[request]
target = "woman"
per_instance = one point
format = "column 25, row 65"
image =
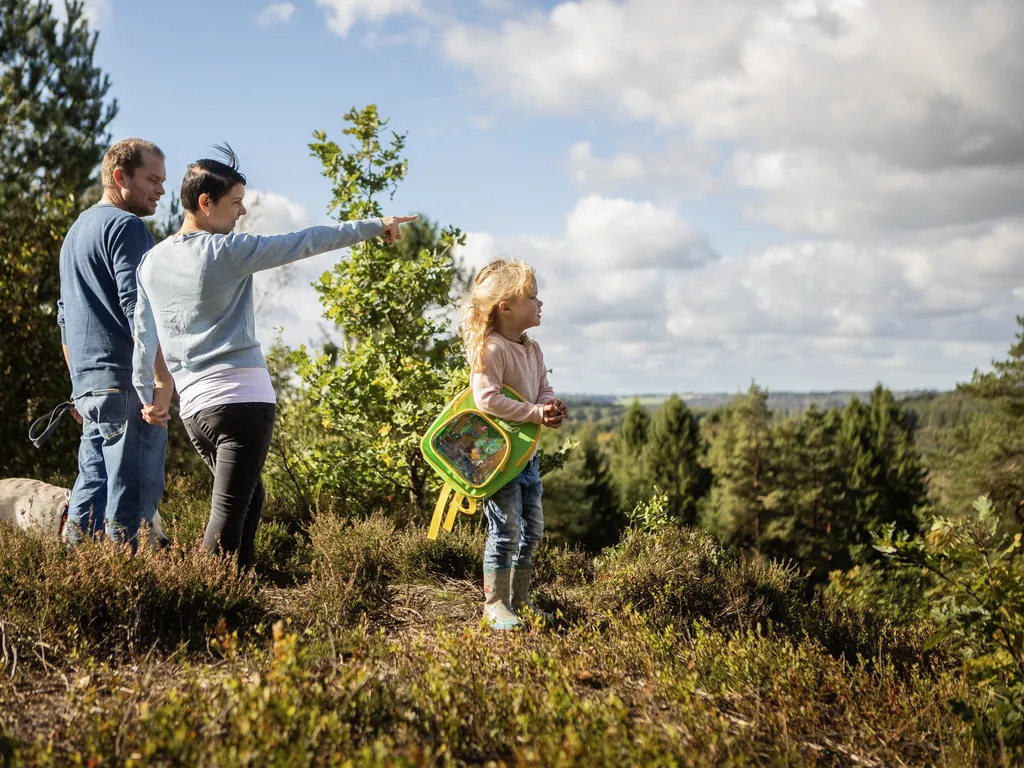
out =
column 195, row 301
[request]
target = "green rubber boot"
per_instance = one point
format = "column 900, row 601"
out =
column 521, row 578
column 496, row 596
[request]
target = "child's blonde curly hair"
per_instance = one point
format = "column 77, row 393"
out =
column 501, row 280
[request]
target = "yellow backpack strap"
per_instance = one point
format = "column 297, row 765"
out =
column 442, row 502
column 453, row 512
column 470, row 508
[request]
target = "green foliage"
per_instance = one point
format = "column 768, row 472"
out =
column 632, row 478
column 674, row 652
column 814, row 488
column 869, row 635
column 986, row 456
column 806, row 504
column 652, row 515
column 554, row 460
column 740, row 462
column 884, row 479
column 53, row 122
column 672, row 456
column 581, row 506
column 171, row 222
column 977, row 598
column 378, row 393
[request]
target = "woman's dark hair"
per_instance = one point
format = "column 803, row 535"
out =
column 210, row 177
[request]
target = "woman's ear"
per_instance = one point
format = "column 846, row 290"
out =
column 504, row 307
column 205, row 203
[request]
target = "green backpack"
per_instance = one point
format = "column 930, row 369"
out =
column 475, row 454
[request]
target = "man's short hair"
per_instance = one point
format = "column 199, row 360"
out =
column 128, row 155
column 210, row 177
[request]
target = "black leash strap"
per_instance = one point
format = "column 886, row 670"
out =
column 39, row 438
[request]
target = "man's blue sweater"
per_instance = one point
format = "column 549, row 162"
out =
column 96, row 310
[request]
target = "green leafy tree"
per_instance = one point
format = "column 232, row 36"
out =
column 378, row 392
column 740, row 459
column 977, row 599
column 54, row 115
column 672, row 458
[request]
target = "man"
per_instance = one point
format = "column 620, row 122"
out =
column 121, row 457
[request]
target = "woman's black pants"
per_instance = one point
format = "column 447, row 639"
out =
column 234, row 441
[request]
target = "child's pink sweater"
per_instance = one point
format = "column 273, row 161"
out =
column 519, row 366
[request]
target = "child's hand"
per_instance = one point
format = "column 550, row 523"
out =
column 552, row 416
column 563, row 407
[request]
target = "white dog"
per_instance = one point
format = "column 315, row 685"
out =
column 33, row 505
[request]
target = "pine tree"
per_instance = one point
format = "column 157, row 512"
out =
column 636, row 424
column 987, row 455
column 739, row 457
column 806, row 506
column 884, row 478
column 629, row 469
column 53, row 132
column 604, row 521
column 581, row 506
column 672, row 457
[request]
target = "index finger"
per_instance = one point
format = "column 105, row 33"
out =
column 404, row 219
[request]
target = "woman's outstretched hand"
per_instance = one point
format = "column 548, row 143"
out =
column 391, row 227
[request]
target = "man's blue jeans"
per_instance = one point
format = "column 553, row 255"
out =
column 120, row 468
column 515, row 520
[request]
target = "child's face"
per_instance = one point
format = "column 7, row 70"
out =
column 524, row 311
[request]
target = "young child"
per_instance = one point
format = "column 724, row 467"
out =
column 500, row 307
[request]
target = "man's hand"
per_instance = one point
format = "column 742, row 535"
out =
column 155, row 415
column 392, row 232
column 552, row 416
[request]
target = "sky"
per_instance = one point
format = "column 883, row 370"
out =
column 809, row 194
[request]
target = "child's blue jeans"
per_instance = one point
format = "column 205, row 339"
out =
column 515, row 520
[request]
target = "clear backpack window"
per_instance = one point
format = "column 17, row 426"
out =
column 473, row 446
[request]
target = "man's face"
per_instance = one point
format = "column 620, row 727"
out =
column 144, row 188
column 223, row 214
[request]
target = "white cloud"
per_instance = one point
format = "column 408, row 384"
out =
column 276, row 13
column 268, row 213
column 823, row 314
column 847, row 116
column 343, row 14
column 613, row 233
column 775, row 69
column 681, row 164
